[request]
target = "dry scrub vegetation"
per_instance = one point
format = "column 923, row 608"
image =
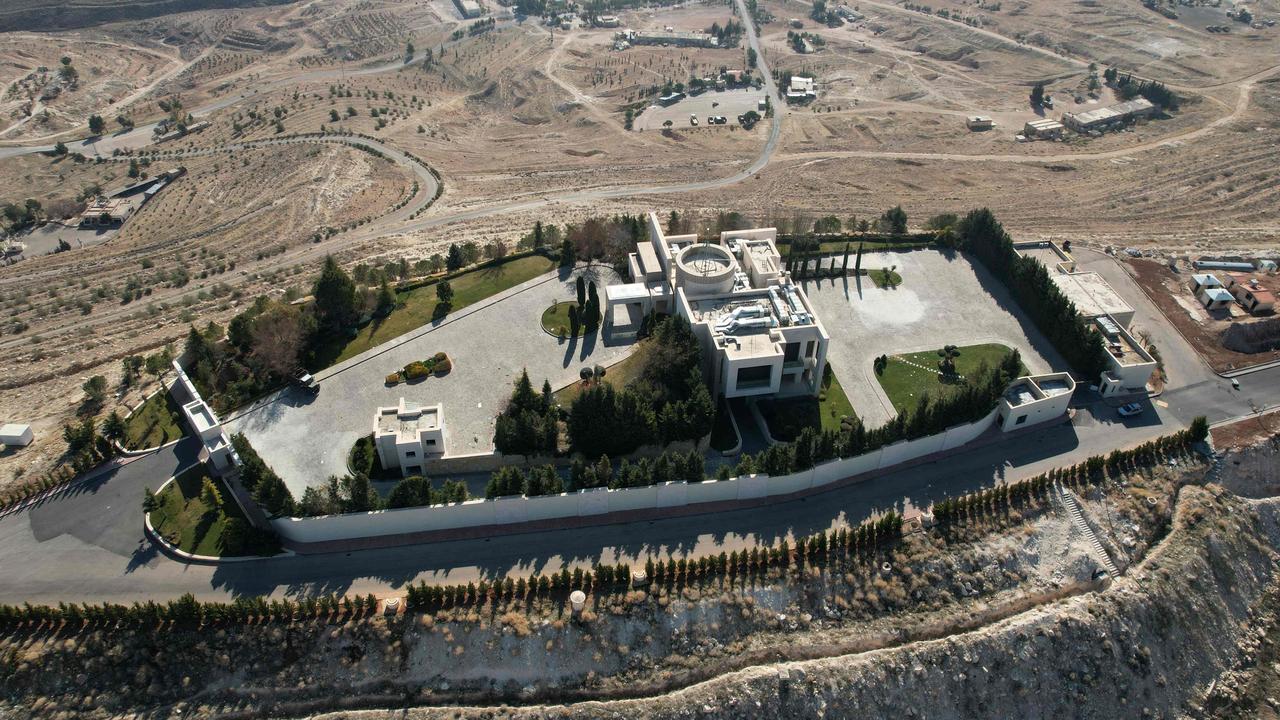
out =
column 630, row 642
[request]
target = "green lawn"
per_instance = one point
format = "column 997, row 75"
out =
column 155, row 422
column 555, row 319
column 786, row 418
column 184, row 519
column 905, row 383
column 417, row 307
column 619, row 375
column 884, row 277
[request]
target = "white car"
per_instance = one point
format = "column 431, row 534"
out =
column 693, row 119
column 1129, row 410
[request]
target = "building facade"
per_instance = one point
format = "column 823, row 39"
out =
column 407, row 437
column 759, row 333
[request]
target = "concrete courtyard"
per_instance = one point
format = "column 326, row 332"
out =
column 944, row 299
column 307, row 439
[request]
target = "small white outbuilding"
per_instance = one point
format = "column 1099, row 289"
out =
column 15, row 435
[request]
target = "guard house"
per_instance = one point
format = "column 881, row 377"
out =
column 1035, row 399
column 405, row 437
column 760, row 335
column 979, row 122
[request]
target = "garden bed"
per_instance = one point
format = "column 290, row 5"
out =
column 155, row 422
column 419, row 370
column 556, row 322
column 189, row 519
column 363, row 460
column 787, row 417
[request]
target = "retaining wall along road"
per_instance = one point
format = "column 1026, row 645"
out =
column 607, row 505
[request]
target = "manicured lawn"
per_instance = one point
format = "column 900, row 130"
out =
column 883, row 277
column 905, row 383
column 417, row 307
column 786, row 418
column 186, row 521
column 155, row 422
column 619, row 375
column 555, row 319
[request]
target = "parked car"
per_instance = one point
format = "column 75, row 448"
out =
column 306, row 383
column 693, row 119
column 1129, row 410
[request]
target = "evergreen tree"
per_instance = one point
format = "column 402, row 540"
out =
column 335, row 298
column 568, row 254
column 386, row 300
column 455, row 259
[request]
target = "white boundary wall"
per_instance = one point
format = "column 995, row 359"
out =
column 600, row 501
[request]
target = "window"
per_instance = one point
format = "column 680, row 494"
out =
column 431, row 443
column 791, row 352
column 809, row 347
column 1021, row 419
column 411, row 453
column 756, row 376
column 413, row 470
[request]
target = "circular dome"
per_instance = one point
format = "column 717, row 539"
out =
column 703, row 269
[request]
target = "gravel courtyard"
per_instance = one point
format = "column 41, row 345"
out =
column 944, row 299
column 307, row 439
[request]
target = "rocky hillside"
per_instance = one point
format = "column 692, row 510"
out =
column 65, row 14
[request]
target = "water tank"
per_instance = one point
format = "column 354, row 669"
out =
column 705, row 269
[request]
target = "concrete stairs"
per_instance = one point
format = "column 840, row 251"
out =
column 1072, row 507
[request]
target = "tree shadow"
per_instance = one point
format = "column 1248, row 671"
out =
column 569, row 349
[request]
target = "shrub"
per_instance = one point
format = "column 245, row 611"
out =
column 443, row 366
column 439, row 357
column 393, row 378
column 416, row 370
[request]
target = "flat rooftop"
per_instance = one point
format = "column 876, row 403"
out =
column 1047, row 253
column 1091, row 293
column 1120, row 343
column 201, row 416
column 753, row 305
column 407, row 423
column 1021, row 393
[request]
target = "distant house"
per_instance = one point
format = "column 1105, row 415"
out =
column 1044, row 129
column 979, row 122
column 1204, row 281
column 104, row 211
column 1215, row 298
column 677, row 38
column 801, row 89
column 1109, row 117
column 609, row 21
column 1250, row 293
column 469, row 8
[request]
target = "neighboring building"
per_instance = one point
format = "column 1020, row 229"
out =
column 760, row 334
column 1215, row 298
column 1250, row 293
column 849, row 14
column 105, row 212
column 678, row 38
column 1109, row 117
column 1093, row 295
column 609, row 21
column 979, row 122
column 1034, row 399
column 801, row 89
column 1044, row 129
column 1130, row 365
column 469, row 8
column 405, row 437
column 1204, row 281
column 16, row 435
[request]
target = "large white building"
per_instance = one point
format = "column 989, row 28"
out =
column 760, row 334
column 405, row 437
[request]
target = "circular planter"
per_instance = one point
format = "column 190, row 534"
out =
column 556, row 318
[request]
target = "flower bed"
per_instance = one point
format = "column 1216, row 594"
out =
column 438, row 364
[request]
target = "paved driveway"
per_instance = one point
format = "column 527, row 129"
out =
column 307, row 439
column 944, row 299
